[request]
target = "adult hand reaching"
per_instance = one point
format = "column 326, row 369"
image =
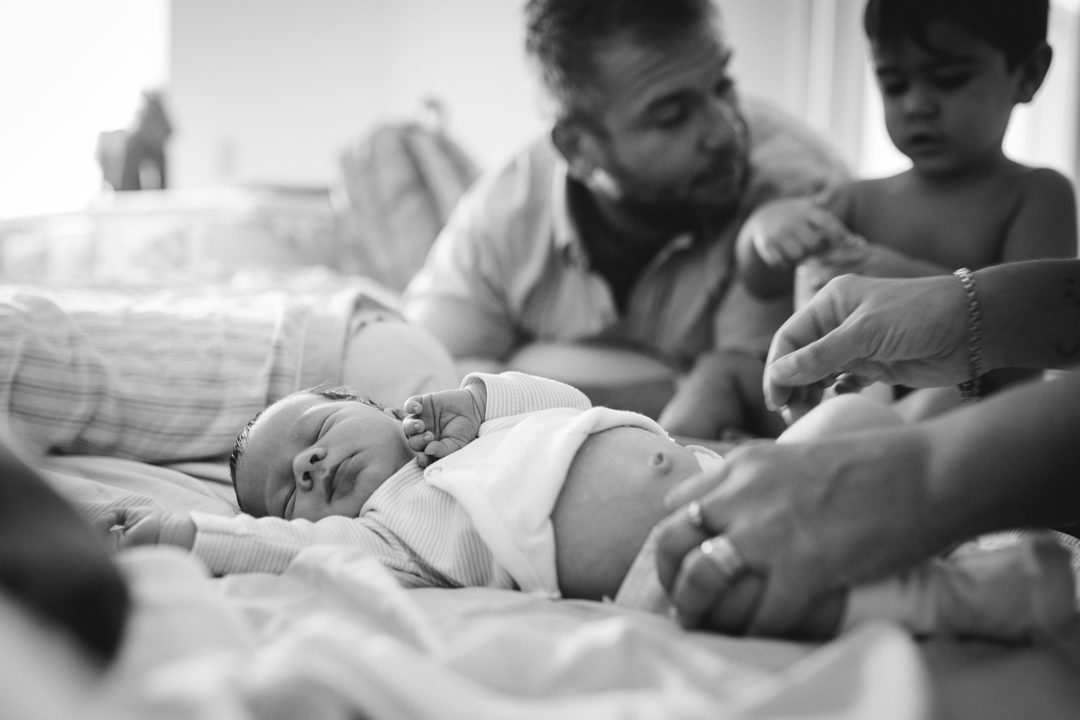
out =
column 904, row 331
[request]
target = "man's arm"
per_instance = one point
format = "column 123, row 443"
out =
column 456, row 295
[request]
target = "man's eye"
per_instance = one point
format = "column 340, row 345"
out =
column 670, row 116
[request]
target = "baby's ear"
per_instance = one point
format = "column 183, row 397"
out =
column 396, row 413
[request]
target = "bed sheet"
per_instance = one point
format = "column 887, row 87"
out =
column 336, row 636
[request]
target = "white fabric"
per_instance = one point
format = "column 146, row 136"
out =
column 508, row 483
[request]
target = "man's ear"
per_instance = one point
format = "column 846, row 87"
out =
column 1032, row 71
column 578, row 145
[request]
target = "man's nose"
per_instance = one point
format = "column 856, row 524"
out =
column 722, row 126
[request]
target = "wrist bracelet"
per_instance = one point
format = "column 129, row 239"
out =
column 969, row 390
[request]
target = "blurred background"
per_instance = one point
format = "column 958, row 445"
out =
column 270, row 92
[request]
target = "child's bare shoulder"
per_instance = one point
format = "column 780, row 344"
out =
column 1044, row 182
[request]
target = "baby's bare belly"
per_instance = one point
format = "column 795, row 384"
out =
column 613, row 496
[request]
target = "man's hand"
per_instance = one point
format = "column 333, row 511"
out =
column 905, row 331
column 441, row 423
column 130, row 527
column 807, row 519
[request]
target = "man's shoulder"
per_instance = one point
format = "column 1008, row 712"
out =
column 517, row 194
column 787, row 155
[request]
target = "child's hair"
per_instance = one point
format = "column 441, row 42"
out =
column 336, row 394
column 1016, row 27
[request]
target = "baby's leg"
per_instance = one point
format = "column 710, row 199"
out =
column 841, row 415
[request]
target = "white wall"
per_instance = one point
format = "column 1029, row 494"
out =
column 272, row 90
column 68, row 70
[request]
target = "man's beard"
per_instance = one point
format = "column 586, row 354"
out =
column 671, row 210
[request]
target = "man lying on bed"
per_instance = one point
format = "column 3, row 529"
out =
column 531, row 489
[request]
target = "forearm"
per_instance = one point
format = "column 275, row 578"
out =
column 513, row 393
column 1030, row 314
column 1011, row 461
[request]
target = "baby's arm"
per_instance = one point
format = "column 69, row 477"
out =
column 781, row 234
column 145, row 526
column 1045, row 222
column 443, row 422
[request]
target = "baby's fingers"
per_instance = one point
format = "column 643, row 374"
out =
column 414, row 405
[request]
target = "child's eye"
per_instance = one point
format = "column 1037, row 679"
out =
column 893, row 88
column 951, row 81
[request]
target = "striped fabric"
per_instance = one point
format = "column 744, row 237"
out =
column 417, row 530
column 156, row 378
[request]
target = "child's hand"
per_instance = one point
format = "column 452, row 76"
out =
column 130, row 527
column 785, row 232
column 441, row 423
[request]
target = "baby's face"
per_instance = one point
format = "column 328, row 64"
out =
column 310, row 457
column 946, row 107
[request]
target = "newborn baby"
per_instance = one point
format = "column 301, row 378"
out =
column 511, row 481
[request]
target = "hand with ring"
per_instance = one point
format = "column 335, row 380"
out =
column 769, row 544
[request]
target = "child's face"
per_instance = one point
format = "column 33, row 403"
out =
column 310, row 457
column 948, row 109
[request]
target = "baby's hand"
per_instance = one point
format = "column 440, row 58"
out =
column 785, row 232
column 441, row 423
column 130, row 527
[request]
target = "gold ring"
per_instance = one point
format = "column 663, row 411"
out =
column 697, row 517
column 722, row 553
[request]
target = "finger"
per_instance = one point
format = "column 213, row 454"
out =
column 692, row 488
column 437, row 449
column 698, row 587
column 419, row 443
column 733, row 612
column 676, row 537
column 782, row 608
column 414, row 405
column 830, row 229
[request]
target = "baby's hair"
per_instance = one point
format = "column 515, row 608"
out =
column 338, row 393
column 1016, row 27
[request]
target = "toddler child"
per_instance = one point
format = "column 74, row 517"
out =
column 511, row 481
column 950, row 73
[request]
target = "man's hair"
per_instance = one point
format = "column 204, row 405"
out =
column 563, row 37
column 336, row 394
column 1015, row 27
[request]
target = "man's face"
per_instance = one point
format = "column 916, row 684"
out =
column 672, row 134
column 946, row 108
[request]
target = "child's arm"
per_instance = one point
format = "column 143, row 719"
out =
column 146, row 526
column 781, row 234
column 443, row 422
column 1045, row 222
